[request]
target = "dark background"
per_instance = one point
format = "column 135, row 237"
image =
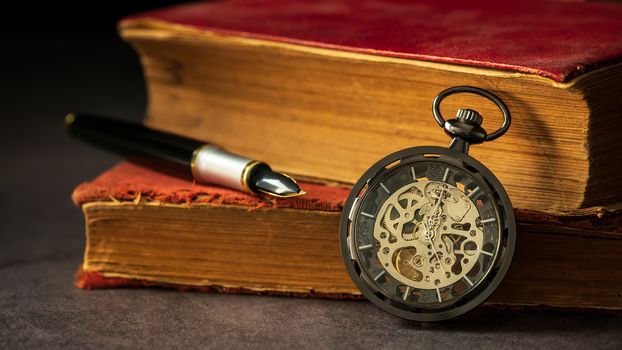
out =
column 56, row 58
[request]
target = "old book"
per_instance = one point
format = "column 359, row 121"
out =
column 326, row 88
column 146, row 228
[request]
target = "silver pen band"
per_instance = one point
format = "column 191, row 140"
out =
column 213, row 164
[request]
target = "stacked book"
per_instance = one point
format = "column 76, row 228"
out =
column 321, row 90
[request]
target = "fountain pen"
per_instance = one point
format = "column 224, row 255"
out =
column 207, row 163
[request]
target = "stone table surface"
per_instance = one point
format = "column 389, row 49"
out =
column 42, row 241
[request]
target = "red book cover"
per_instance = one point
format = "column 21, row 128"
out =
column 128, row 181
column 554, row 39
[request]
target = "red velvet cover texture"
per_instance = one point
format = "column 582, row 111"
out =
column 128, row 181
column 555, row 39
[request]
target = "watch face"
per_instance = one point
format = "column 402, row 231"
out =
column 428, row 233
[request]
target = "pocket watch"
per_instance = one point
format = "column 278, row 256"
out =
column 428, row 233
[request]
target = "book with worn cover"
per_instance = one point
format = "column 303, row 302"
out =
column 147, row 228
column 326, row 88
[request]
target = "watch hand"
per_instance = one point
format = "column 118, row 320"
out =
column 438, row 202
column 435, row 213
column 434, row 250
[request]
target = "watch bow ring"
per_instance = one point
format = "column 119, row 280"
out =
column 428, row 232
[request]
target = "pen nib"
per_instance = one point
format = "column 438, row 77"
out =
column 276, row 184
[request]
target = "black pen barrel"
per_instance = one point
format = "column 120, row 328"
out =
column 131, row 139
column 206, row 163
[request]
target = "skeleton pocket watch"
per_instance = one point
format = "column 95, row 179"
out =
column 428, row 233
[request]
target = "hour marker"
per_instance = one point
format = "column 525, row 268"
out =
column 438, row 294
column 468, row 281
column 487, row 253
column 384, row 187
column 412, row 172
column 368, row 215
column 445, row 176
column 380, row 275
column 488, row 220
column 406, row 293
column 473, row 192
column 366, row 246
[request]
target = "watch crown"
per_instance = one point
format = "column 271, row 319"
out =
column 469, row 116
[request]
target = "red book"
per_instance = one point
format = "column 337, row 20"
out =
column 355, row 80
column 555, row 39
column 149, row 229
